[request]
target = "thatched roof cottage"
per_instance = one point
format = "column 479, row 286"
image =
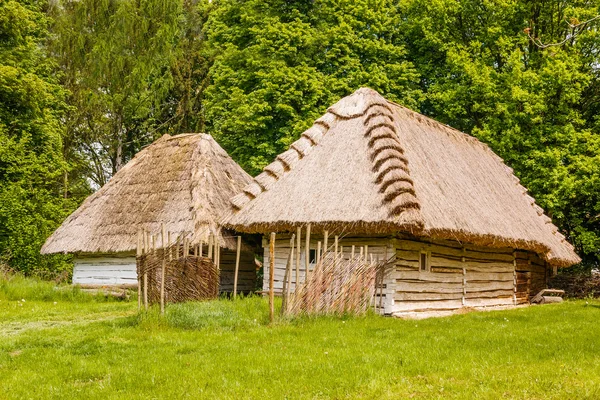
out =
column 184, row 182
column 460, row 226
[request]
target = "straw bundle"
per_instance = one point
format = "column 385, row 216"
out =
column 183, row 181
column 370, row 166
column 336, row 286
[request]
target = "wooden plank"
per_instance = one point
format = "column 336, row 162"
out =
column 490, row 294
column 427, row 276
column 424, row 286
column 272, row 278
column 430, row 305
column 427, row 296
column 237, row 265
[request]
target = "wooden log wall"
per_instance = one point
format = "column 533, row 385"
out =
column 246, row 274
column 533, row 274
column 462, row 276
column 381, row 247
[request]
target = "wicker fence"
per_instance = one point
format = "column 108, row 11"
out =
column 177, row 272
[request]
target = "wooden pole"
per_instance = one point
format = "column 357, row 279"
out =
column 287, row 276
column 272, row 277
column 325, row 239
column 146, row 274
column 218, row 254
column 352, row 254
column 169, row 241
column 307, row 252
column 237, row 265
column 210, row 246
column 162, row 269
column 380, row 285
column 139, row 252
column 298, row 242
column 289, row 280
column 335, row 246
column 201, row 245
column 318, row 252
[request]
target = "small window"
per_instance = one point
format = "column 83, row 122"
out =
column 312, row 256
column 424, row 261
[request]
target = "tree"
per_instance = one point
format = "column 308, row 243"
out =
column 32, row 105
column 278, row 65
column 536, row 107
column 116, row 58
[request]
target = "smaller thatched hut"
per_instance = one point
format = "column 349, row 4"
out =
column 184, row 182
column 458, row 226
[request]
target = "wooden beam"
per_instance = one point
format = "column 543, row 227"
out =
column 272, row 277
column 298, row 244
column 287, row 276
column 318, row 252
column 237, row 265
column 139, row 252
column 162, row 269
column 307, row 252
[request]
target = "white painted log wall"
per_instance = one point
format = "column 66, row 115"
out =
column 104, row 270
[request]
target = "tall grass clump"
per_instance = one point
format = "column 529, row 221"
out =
column 15, row 286
column 241, row 313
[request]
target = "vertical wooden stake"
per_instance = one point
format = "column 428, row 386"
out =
column 287, row 277
column 352, row 254
column 217, row 253
column 298, row 243
column 201, row 245
column 169, row 241
column 325, row 238
column 146, row 290
column 210, row 246
column 147, row 248
column 367, row 252
column 318, row 252
column 272, row 277
column 464, row 282
column 139, row 252
column 514, row 278
column 162, row 270
column 307, row 252
column 335, row 246
column 380, row 286
column 237, row 265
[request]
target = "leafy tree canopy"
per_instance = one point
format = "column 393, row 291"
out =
column 32, row 104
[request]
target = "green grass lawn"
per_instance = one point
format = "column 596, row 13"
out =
column 65, row 344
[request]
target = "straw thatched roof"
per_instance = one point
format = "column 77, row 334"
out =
column 183, row 181
column 372, row 166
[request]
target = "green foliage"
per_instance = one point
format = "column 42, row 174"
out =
column 32, row 104
column 535, row 107
column 279, row 65
column 116, row 57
